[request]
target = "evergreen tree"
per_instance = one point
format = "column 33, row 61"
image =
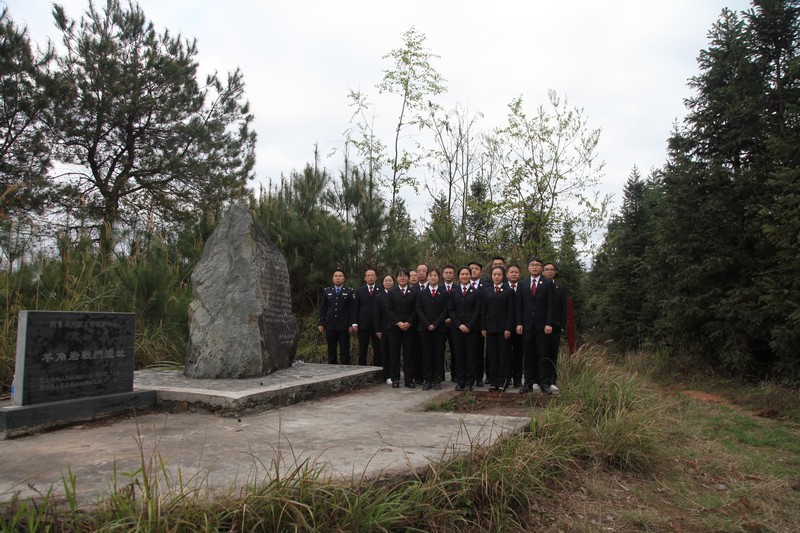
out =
column 139, row 131
column 25, row 99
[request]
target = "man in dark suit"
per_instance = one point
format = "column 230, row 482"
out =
column 365, row 297
column 475, row 272
column 448, row 282
column 401, row 312
column 336, row 318
column 535, row 323
column 560, row 293
column 513, row 275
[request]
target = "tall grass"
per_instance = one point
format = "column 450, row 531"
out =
column 153, row 284
column 603, row 419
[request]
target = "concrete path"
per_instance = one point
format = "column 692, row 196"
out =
column 371, row 432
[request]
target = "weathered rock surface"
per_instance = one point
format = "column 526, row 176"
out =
column 240, row 319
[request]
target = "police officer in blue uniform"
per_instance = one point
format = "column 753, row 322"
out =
column 336, row 318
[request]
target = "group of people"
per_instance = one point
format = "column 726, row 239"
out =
column 501, row 328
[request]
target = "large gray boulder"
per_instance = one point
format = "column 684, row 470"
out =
column 240, row 319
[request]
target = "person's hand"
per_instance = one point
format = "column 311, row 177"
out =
column 321, row 329
column 506, row 334
column 431, row 327
column 379, row 334
column 519, row 330
column 483, row 332
column 548, row 330
column 463, row 329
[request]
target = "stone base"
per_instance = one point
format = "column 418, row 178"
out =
column 19, row 420
column 238, row 397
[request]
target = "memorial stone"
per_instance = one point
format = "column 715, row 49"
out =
column 67, row 355
column 240, row 318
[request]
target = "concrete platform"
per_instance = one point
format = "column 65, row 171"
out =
column 365, row 433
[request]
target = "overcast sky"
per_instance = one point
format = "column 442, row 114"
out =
column 625, row 62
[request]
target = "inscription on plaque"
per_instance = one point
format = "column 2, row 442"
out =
column 62, row 355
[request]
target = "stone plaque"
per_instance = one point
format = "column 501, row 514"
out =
column 67, row 355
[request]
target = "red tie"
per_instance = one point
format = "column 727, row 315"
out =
column 496, row 289
column 448, row 290
column 533, row 287
column 433, row 293
column 464, row 293
column 514, row 287
column 370, row 291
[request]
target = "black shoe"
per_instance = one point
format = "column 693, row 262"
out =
column 479, row 383
column 410, row 385
column 395, row 385
column 526, row 389
column 470, row 387
column 437, row 386
column 459, row 387
column 426, row 386
column 517, row 383
column 494, row 389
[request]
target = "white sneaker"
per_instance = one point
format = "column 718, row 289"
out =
column 389, row 381
column 553, row 389
column 536, row 389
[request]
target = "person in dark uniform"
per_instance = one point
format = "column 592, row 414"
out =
column 401, row 311
column 498, row 322
column 535, row 323
column 560, row 293
column 448, row 283
column 365, row 314
column 336, row 318
column 475, row 272
column 381, row 323
column 515, row 370
column 464, row 308
column 416, row 353
column 431, row 314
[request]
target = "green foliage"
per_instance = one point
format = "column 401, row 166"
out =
column 24, row 106
column 147, row 138
column 704, row 259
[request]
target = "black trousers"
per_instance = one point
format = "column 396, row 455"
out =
column 480, row 357
column 515, row 368
column 497, row 359
column 450, row 334
column 365, row 336
column 386, row 355
column 340, row 340
column 432, row 344
column 534, row 345
column 466, row 346
column 400, row 340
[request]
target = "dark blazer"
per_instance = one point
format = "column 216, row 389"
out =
column 465, row 309
column 432, row 310
column 498, row 309
column 365, row 306
column 401, row 308
column 535, row 312
column 380, row 318
column 560, row 304
column 336, row 310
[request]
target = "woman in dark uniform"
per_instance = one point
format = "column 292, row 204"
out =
column 498, row 322
column 431, row 314
column 464, row 308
